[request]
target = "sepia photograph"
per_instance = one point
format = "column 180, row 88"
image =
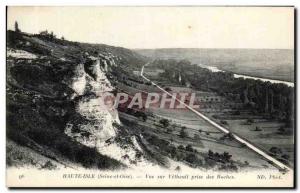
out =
column 150, row 96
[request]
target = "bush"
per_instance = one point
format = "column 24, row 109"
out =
column 169, row 130
column 223, row 122
column 215, row 116
column 249, row 121
column 181, row 147
column 257, row 128
column 183, row 133
column 236, row 113
column 189, row 148
column 48, row 165
column 281, row 130
column 196, row 137
column 179, row 156
column 164, row 122
column 172, row 150
column 275, row 150
column 285, row 156
column 193, row 159
column 210, row 153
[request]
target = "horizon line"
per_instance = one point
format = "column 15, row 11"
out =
column 31, row 33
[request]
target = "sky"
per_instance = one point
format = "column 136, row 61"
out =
column 163, row 27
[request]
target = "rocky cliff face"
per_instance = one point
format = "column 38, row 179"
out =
column 91, row 84
column 99, row 129
column 55, row 89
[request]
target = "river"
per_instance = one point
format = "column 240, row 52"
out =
column 215, row 69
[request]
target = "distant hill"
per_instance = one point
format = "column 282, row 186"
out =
column 268, row 63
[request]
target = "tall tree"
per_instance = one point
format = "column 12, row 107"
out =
column 267, row 102
column 271, row 101
column 245, row 93
column 17, row 27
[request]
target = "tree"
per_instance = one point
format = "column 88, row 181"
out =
column 164, row 122
column 172, row 140
column 271, row 101
column 189, row 148
column 193, row 159
column 237, row 113
column 245, row 94
column 17, row 27
column 250, row 121
column 281, row 130
column 183, row 133
column 232, row 167
column 210, row 154
column 223, row 122
column 169, row 130
column 196, row 136
column 226, row 156
column 257, row 128
column 267, row 102
column 144, row 117
column 285, row 156
column 168, row 89
column 44, row 33
column 51, row 35
column 275, row 150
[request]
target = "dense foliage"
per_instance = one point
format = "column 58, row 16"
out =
column 274, row 101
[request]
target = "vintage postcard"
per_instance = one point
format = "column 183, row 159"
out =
column 150, row 97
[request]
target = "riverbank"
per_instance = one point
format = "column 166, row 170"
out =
column 215, row 69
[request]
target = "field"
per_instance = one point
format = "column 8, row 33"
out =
column 200, row 135
column 209, row 136
column 264, row 133
column 266, row 137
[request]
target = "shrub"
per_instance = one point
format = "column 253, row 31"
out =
column 250, row 121
column 193, row 159
column 210, row 153
column 196, row 137
column 48, row 165
column 223, row 122
column 169, row 130
column 257, row 128
column 236, row 113
column 164, row 122
column 181, row 147
column 285, row 156
column 189, row 148
column 281, row 130
column 183, row 133
column 275, row 150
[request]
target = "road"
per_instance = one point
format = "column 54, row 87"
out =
column 225, row 130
